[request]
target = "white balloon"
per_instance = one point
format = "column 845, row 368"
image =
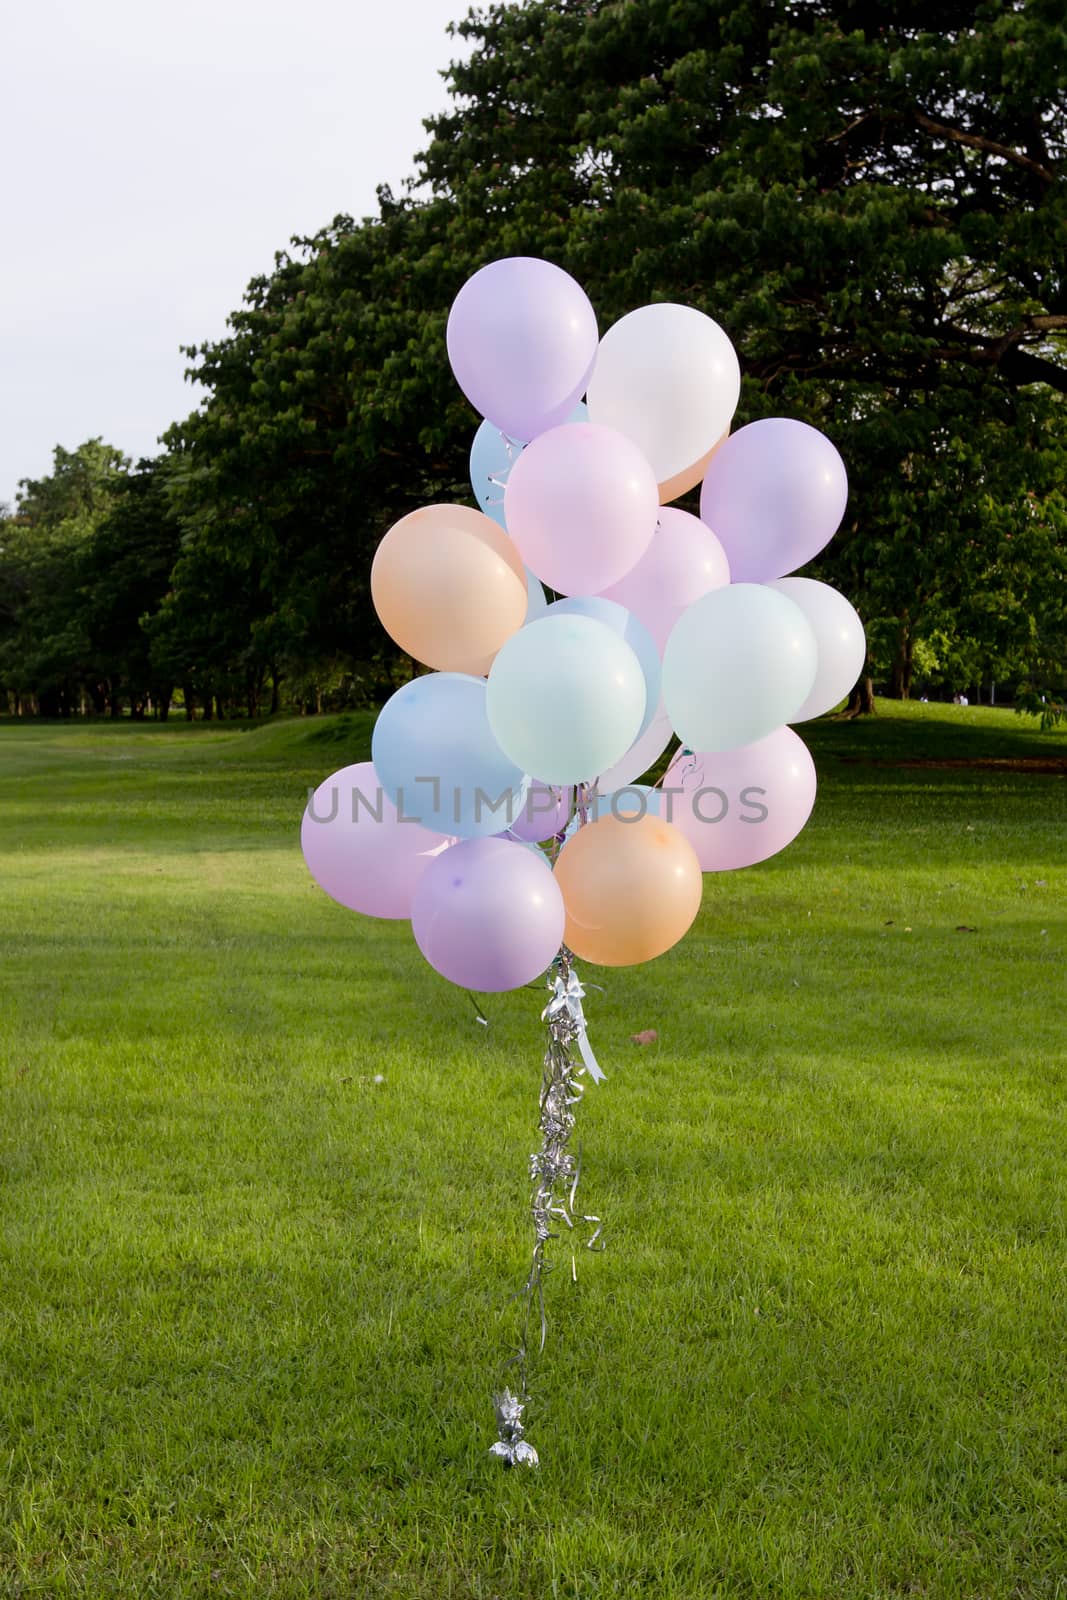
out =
column 642, row 754
column 667, row 376
column 839, row 636
column 738, row 664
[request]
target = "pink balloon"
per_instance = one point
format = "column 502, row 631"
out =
column 683, row 561
column 581, row 504
column 358, row 850
column 544, row 813
column 737, row 807
column 488, row 914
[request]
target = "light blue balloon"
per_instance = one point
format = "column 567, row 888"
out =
column 437, row 760
column 566, row 697
column 626, row 625
column 492, row 457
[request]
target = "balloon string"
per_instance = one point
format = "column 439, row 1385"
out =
column 554, row 1175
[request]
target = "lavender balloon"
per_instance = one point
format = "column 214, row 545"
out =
column 774, row 495
column 488, row 914
column 545, row 812
column 522, row 339
column 737, row 807
column 357, row 849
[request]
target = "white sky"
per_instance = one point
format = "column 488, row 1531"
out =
column 153, row 156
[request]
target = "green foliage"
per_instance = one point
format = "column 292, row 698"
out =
column 87, row 554
column 44, row 628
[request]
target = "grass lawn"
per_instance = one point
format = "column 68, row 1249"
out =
column 254, row 1303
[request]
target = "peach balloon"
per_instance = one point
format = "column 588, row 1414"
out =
column 689, row 477
column 449, row 587
column 631, row 889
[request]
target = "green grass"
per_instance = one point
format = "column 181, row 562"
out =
column 253, row 1304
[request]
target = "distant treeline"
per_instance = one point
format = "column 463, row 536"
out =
column 877, row 220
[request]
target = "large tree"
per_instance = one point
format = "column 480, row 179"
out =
column 872, row 203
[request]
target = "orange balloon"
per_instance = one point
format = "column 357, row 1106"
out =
column 689, row 477
column 450, row 587
column 631, row 889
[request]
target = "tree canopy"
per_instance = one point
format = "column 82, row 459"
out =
column 871, row 203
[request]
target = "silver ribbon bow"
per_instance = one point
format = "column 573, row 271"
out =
column 567, row 996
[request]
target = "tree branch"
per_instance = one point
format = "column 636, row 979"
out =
column 1018, row 366
column 975, row 141
column 866, row 116
column 1022, row 366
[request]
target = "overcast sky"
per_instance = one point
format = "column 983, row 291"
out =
column 155, row 154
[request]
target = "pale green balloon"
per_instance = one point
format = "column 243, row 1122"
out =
column 739, row 663
column 566, row 698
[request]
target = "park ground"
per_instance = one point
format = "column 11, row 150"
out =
column 263, row 1201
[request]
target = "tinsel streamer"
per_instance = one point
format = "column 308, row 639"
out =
column 554, row 1175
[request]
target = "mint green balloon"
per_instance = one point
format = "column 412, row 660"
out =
column 739, row 663
column 566, row 698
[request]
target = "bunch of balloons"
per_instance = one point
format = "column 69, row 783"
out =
column 500, row 811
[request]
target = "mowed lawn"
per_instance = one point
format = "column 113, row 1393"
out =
column 254, row 1302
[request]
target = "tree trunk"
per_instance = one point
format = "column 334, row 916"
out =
column 274, row 695
column 190, row 701
column 861, row 697
column 902, row 664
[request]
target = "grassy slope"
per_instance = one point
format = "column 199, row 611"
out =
column 254, row 1303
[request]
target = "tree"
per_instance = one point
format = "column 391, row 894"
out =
column 124, row 573
column 331, row 415
column 44, row 646
column 874, row 212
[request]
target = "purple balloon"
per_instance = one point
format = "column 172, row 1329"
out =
column 737, row 807
column 773, row 495
column 488, row 914
column 545, row 812
column 522, row 340
column 358, row 850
